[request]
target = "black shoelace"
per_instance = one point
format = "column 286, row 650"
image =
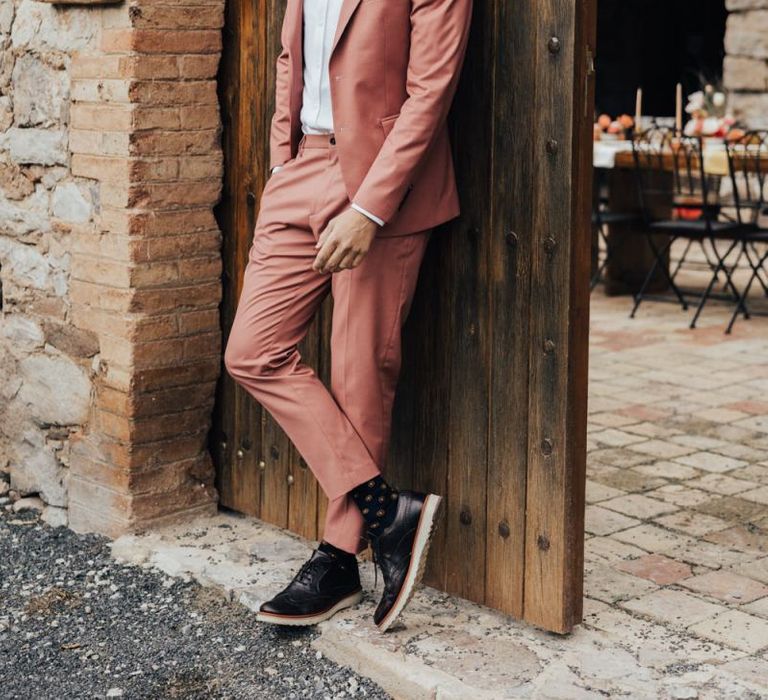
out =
column 304, row 573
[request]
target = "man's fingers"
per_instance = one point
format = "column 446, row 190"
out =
column 348, row 261
column 337, row 256
column 340, row 244
column 352, row 260
column 323, row 237
column 325, row 253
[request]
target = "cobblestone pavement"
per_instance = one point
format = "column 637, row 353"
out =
column 76, row 624
column 677, row 492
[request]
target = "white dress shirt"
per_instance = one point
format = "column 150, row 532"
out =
column 320, row 20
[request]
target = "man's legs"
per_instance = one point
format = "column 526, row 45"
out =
column 281, row 293
column 343, row 437
column 370, row 304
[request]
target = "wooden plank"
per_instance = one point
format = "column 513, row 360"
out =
column 224, row 420
column 558, row 326
column 324, row 319
column 274, row 484
column 509, row 280
column 467, row 252
column 440, row 422
column 578, row 325
column 254, row 115
column 545, row 536
column 578, row 322
column 418, row 455
column 279, row 452
column 237, row 426
column 246, row 473
column 398, row 469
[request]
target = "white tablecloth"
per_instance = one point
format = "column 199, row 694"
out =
column 604, row 155
column 604, row 152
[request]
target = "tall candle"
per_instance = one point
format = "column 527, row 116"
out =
column 679, row 109
column 638, row 108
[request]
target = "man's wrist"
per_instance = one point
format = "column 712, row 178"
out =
column 365, row 212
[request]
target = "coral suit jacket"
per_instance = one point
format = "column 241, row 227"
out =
column 393, row 70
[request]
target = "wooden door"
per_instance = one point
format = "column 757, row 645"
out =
column 491, row 408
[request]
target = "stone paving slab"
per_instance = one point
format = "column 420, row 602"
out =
column 657, row 568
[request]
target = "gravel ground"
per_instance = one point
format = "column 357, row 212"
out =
column 76, row 624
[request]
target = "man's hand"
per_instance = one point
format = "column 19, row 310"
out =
column 344, row 242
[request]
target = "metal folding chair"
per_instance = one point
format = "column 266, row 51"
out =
column 695, row 206
column 650, row 148
column 748, row 173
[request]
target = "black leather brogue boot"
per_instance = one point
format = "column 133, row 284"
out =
column 325, row 584
column 400, row 550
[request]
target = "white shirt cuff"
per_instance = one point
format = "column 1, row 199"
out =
column 364, row 212
column 275, row 169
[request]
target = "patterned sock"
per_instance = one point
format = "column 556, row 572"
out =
column 333, row 550
column 377, row 501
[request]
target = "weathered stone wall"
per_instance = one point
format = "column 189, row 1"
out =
column 110, row 347
column 746, row 62
column 47, row 365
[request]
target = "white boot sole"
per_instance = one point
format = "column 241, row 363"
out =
column 303, row 620
column 418, row 561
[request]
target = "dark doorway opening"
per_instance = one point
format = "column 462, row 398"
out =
column 654, row 44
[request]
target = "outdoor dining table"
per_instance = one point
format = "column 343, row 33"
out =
column 630, row 255
column 715, row 158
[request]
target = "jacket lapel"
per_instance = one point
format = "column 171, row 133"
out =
column 347, row 9
column 295, row 20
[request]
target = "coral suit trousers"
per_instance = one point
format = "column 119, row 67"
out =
column 341, row 433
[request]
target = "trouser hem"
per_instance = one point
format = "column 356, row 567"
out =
column 352, row 479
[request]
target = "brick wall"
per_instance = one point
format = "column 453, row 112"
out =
column 746, row 62
column 145, row 124
column 137, row 148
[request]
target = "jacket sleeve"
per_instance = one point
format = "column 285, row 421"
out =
column 439, row 35
column 280, row 126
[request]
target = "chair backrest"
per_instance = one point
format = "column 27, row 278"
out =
column 648, row 151
column 660, row 153
column 748, row 170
